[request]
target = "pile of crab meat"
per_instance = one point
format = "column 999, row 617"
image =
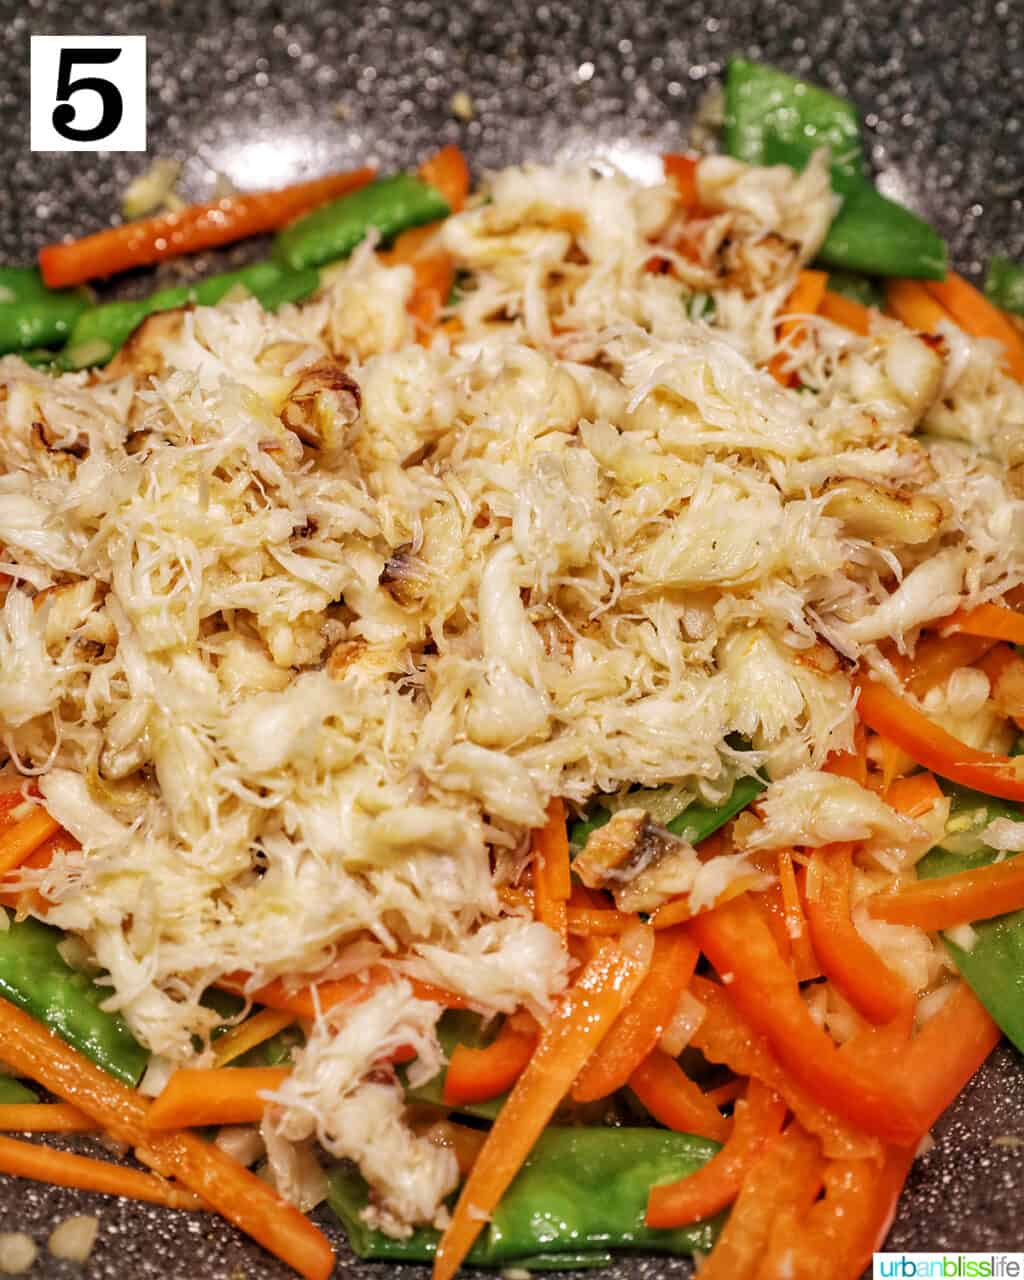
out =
column 309, row 615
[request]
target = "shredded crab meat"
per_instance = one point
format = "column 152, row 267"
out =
column 307, row 621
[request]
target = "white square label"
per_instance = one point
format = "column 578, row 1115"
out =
column 88, row 93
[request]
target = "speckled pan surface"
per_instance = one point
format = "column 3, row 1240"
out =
column 266, row 93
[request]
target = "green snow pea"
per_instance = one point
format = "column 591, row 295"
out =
column 1004, row 284
column 333, row 230
column 35, row 977
column 32, row 315
column 772, row 118
column 695, row 823
column 862, row 289
column 994, row 967
column 13, row 1091
column 101, row 331
column 582, row 1192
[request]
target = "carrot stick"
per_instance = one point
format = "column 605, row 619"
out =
column 302, row 1002
column 913, row 796
column 230, row 1095
column 757, row 1120
column 44, row 1117
column 804, row 300
column 855, row 968
column 23, row 838
column 218, row 1180
column 447, row 171
column 973, row 312
column 678, row 910
column 676, row 1101
column 638, row 1027
column 250, row 1033
column 910, row 302
column 681, row 171
column 895, row 718
column 786, row 1177
column 739, row 944
column 64, row 1169
column 552, row 883
column 961, row 898
column 579, row 1024
column 32, row 899
column 805, row 963
column 475, row 1075
column 990, row 621
column 846, row 312
column 190, row 230
column 601, row 921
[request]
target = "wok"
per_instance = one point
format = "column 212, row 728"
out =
column 269, row 93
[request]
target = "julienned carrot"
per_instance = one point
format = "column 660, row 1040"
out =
column 304, row 1001
column 250, row 1033
column 219, row 1181
column 846, row 312
column 64, row 1169
column 43, row 1117
column 25, row 837
column 676, row 1101
column 475, row 1075
column 602, row 921
column 724, row 1036
column 32, row 899
column 433, row 274
column 681, row 171
column 915, row 795
column 910, row 301
column 801, row 952
column 678, row 910
column 990, row 621
column 756, row 1121
column 579, row 1024
column 190, row 230
column 785, row 1179
column 739, row 944
column 973, row 312
column 804, row 300
column 447, row 171
column 552, row 884
column 639, row 1026
column 961, row 898
column 854, row 967
column 223, row 1095
column 895, row 718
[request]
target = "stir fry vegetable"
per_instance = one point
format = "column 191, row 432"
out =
column 31, row 315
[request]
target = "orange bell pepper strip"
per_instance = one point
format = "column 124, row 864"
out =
column 582, row 1019
column 220, row 1095
column 600, row 921
column 855, row 968
column 725, row 1037
column 222, row 1183
column 552, row 883
column 989, row 621
column 448, row 172
column 676, row 1101
column 910, row 302
column 639, row 1026
column 776, row 1193
column 739, row 944
column 773, row 908
column 757, row 1119
column 804, row 300
column 961, row 898
column 973, row 312
column 936, row 658
column 846, row 312
column 896, row 719
column 200, row 226
column 801, row 951
column 475, row 1075
column 681, row 171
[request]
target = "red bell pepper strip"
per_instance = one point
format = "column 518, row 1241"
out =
column 475, row 1075
column 676, row 1101
column 957, row 899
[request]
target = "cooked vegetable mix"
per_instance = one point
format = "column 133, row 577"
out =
column 478, row 736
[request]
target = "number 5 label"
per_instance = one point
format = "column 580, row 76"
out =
column 88, row 93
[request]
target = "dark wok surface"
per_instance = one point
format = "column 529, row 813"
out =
column 268, row 93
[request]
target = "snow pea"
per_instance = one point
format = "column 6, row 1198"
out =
column 32, row 315
column 994, row 967
column 36, row 977
column 695, row 823
column 13, row 1091
column 101, row 331
column 333, row 230
column 862, row 289
column 773, row 118
column 582, row 1192
column 1004, row 284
